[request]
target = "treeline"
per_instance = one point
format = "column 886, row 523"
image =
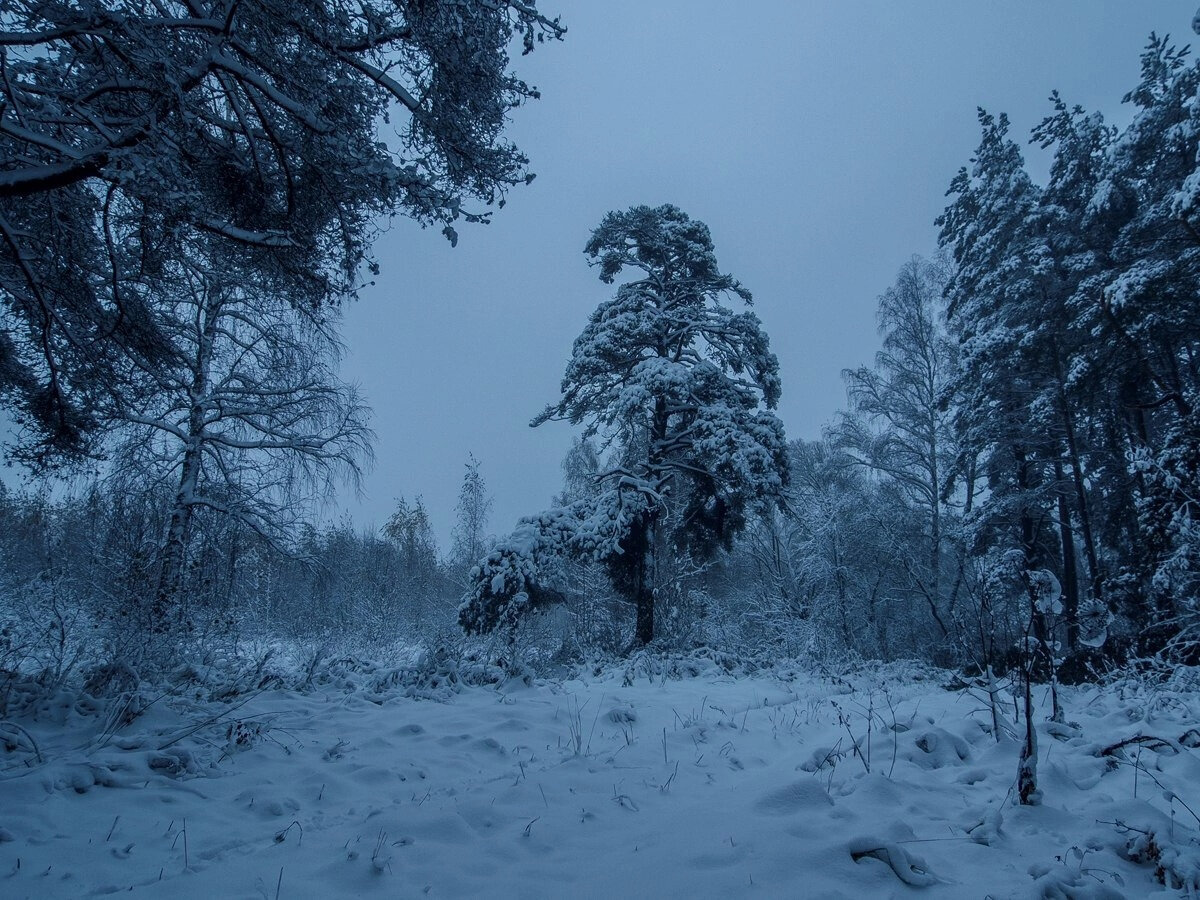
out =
column 1031, row 418
column 1073, row 311
column 1018, row 469
column 80, row 577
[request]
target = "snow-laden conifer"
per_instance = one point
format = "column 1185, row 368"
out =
column 681, row 388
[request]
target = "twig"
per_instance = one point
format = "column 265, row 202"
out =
column 209, row 721
column 1172, row 798
column 667, row 784
column 281, row 836
column 1156, row 744
column 594, row 720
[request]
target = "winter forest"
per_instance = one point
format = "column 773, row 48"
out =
column 948, row 643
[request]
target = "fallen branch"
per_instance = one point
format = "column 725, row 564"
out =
column 1148, row 741
column 211, row 720
column 907, row 867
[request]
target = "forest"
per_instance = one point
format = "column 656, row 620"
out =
column 1006, row 505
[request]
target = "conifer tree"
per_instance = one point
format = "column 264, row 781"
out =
column 682, row 388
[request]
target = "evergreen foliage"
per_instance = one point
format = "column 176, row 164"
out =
column 681, row 388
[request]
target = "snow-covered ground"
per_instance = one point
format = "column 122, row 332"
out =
column 707, row 785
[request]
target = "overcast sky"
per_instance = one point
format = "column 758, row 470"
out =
column 816, row 140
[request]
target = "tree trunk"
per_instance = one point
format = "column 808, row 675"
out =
column 1029, row 545
column 935, row 521
column 647, row 571
column 1081, row 504
column 1027, row 788
column 644, row 596
column 170, row 575
column 175, row 545
column 993, row 691
column 170, row 569
column 1070, row 580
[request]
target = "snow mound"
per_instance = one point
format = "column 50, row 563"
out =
column 796, row 797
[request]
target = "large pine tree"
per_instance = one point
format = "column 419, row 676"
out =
column 682, row 389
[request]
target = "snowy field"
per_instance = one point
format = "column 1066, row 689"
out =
column 700, row 784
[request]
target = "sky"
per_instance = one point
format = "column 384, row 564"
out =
column 816, row 140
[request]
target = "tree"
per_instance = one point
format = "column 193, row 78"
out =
column 1141, row 305
column 898, row 425
column 474, row 507
column 1076, row 216
column 248, row 422
column 1004, row 322
column 581, row 468
column 682, row 389
column 411, row 531
column 132, row 130
column 597, row 610
column 841, row 554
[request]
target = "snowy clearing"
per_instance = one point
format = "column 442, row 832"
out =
column 705, row 785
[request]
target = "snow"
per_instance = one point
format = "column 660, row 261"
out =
column 652, row 778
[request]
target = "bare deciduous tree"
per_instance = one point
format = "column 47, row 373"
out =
column 898, row 425
column 250, row 423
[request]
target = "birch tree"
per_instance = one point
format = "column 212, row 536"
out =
column 898, row 427
column 250, row 423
